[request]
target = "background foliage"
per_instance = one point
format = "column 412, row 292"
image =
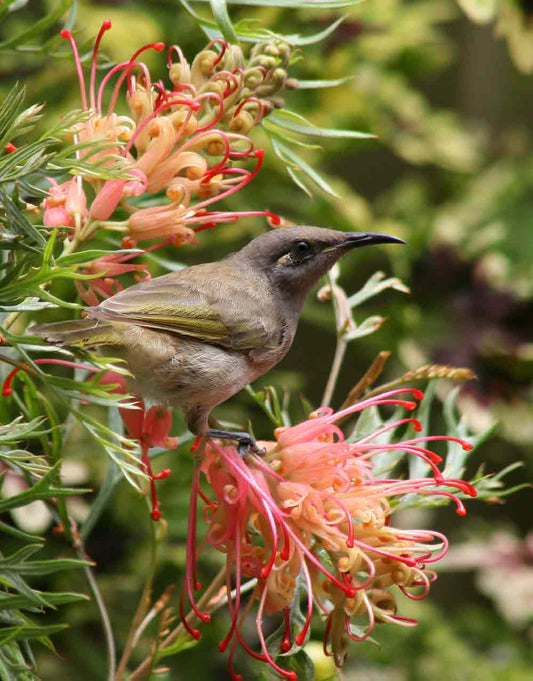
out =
column 446, row 89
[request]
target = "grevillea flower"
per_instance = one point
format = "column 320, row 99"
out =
column 108, row 267
column 66, row 204
column 311, row 512
column 150, row 427
column 188, row 140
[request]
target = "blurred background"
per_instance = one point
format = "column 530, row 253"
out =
column 447, row 89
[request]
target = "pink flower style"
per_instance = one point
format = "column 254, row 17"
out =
column 189, row 141
column 312, row 510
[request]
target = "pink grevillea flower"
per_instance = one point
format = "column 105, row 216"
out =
column 188, row 140
column 312, row 511
column 108, row 267
column 150, row 427
column 65, row 204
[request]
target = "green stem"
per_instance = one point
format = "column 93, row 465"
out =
column 142, row 608
column 340, row 349
column 338, row 359
column 114, row 476
column 106, row 622
column 142, row 672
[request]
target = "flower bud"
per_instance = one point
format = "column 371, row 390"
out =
column 178, row 73
column 242, row 123
column 203, row 65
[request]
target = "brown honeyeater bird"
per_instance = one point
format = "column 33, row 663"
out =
column 195, row 337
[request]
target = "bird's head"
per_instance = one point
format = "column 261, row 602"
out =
column 294, row 258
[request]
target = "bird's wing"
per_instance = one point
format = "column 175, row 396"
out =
column 197, row 303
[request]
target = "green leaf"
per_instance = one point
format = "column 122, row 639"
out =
column 88, row 256
column 28, row 631
column 298, row 4
column 16, row 601
column 376, row 284
column 220, row 13
column 19, row 534
column 28, row 305
column 289, row 121
column 37, row 27
column 43, row 489
column 319, row 84
column 296, row 163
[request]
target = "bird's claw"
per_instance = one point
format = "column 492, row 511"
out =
column 245, row 442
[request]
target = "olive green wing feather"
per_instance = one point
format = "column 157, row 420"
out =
column 196, row 304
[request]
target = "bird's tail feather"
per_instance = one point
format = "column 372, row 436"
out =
column 84, row 332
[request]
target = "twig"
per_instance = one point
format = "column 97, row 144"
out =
column 203, row 604
column 344, row 323
column 340, row 351
column 142, row 608
column 106, row 622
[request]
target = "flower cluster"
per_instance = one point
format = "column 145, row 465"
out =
column 188, row 141
column 310, row 512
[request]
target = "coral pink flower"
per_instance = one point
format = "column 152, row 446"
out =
column 66, row 203
column 108, row 267
column 188, row 140
column 312, row 511
column 150, row 427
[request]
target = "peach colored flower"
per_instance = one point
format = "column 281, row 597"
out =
column 65, row 204
column 105, row 285
column 312, row 512
column 188, row 140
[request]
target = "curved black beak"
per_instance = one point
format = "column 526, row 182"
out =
column 356, row 239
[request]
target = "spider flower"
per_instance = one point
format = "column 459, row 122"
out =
column 312, row 514
column 188, row 140
column 150, row 427
column 107, row 267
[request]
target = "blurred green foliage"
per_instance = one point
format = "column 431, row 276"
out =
column 451, row 172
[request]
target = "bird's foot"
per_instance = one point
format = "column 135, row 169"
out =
column 245, row 442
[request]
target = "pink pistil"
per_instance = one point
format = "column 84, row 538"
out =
column 67, row 35
column 7, row 390
column 106, row 25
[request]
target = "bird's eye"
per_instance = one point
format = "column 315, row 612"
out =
column 300, row 250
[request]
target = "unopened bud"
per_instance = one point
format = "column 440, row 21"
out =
column 271, row 50
column 179, row 74
column 175, row 192
column 266, row 62
column 194, row 173
column 205, row 62
column 178, row 119
column 215, row 148
column 242, row 123
column 278, row 76
column 207, row 190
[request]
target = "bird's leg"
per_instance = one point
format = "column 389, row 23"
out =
column 245, row 442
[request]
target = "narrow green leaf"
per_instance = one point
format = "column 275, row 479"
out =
column 19, row 534
column 300, row 41
column 87, row 256
column 16, row 601
column 27, row 631
column 37, row 27
column 220, row 13
column 283, row 120
column 287, row 155
column 319, row 84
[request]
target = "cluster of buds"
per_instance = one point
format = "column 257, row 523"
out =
column 312, row 512
column 188, row 140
